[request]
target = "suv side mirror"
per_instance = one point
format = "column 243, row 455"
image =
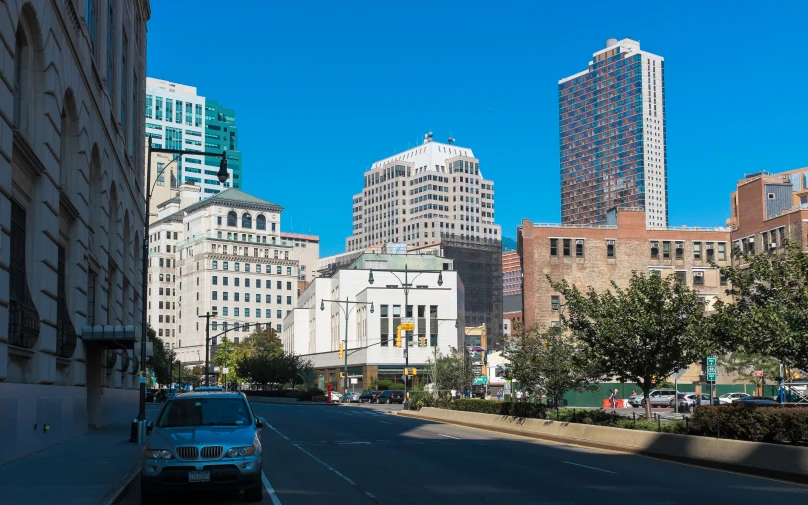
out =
column 260, row 422
column 149, row 426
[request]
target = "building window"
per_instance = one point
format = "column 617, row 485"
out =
column 232, row 218
column 288, row 300
column 697, row 250
column 92, row 25
column 215, row 265
column 224, row 281
column 723, row 279
column 555, row 302
column 567, row 250
column 579, row 248
column 278, row 299
column 111, row 48
column 224, row 311
column 246, row 220
column 654, row 250
column 610, row 248
column 710, row 251
column 680, row 250
column 278, row 314
column 553, row 247
column 261, row 222
column 268, row 313
column 124, row 92
column 666, row 250
column 681, row 276
column 235, row 311
column 225, row 265
column 698, row 278
column 722, row 251
column 215, row 280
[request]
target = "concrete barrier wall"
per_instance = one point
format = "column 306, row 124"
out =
column 770, row 459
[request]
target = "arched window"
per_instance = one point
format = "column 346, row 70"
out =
column 246, row 220
column 232, row 219
column 23, row 79
column 261, row 222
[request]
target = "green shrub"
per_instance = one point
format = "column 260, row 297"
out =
column 318, row 398
column 385, row 384
column 774, row 424
column 292, row 394
column 396, row 387
column 306, row 396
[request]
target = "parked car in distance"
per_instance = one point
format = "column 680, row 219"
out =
column 202, row 441
column 757, row 400
column 636, row 400
column 150, row 395
column 335, row 396
column 728, row 398
column 659, row 397
column 369, row 396
column 351, row 398
column 390, row 396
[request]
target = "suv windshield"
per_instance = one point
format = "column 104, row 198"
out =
column 205, row 412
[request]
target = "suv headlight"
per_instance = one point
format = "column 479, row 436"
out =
column 158, row 454
column 236, row 452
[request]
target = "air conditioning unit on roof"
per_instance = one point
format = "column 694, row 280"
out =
column 579, row 242
column 655, row 245
column 698, row 273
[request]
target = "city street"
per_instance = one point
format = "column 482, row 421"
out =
column 361, row 455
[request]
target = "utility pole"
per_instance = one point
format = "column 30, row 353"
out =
column 207, row 317
column 347, row 310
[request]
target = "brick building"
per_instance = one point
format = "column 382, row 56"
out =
column 511, row 273
column 596, row 255
column 767, row 210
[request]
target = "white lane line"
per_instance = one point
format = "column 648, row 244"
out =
column 312, row 456
column 384, row 422
column 590, row 467
column 447, row 436
column 270, row 490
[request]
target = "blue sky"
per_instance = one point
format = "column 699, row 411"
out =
column 323, row 89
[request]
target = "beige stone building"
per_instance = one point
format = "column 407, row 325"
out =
column 72, row 211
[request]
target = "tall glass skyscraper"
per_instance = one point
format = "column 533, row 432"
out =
column 612, row 135
column 178, row 118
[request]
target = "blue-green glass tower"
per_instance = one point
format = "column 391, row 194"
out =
column 221, row 133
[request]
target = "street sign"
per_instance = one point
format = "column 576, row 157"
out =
column 407, row 327
column 507, row 386
column 403, row 377
column 216, row 369
column 711, row 361
column 354, row 381
column 758, row 373
column 408, row 320
column 197, row 370
column 225, row 370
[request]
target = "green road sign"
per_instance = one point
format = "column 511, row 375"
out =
column 712, row 368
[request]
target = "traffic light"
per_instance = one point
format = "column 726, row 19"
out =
column 341, row 351
column 398, row 337
column 414, row 372
column 342, row 375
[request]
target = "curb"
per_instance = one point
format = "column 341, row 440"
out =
column 122, row 488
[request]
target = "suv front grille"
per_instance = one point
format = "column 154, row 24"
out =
column 211, row 452
column 187, row 452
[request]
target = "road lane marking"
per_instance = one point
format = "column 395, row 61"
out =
column 590, row 467
column 384, row 422
column 447, row 436
column 270, row 489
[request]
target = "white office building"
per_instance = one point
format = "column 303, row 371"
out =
column 224, row 254
column 425, row 193
column 436, row 308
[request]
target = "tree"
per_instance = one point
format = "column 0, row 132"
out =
column 227, row 354
column 769, row 312
column 453, row 371
column 263, row 342
column 308, row 375
column 161, row 358
column 744, row 365
column 650, row 329
column 548, row 363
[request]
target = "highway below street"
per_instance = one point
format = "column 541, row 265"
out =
column 361, row 455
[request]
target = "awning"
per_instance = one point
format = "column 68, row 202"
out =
column 109, row 337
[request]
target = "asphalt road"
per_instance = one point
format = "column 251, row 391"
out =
column 363, row 456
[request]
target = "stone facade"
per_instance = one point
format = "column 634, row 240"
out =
column 71, row 214
column 598, row 255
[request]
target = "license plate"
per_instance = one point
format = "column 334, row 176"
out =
column 198, row 476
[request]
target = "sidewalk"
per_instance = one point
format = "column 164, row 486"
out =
column 88, row 470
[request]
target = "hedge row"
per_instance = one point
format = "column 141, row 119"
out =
column 775, row 424
column 535, row 410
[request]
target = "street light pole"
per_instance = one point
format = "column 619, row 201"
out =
column 222, row 176
column 347, row 310
column 407, row 285
column 207, row 317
